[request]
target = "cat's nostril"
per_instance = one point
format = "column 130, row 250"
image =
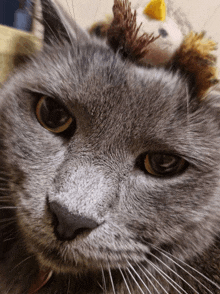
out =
column 67, row 225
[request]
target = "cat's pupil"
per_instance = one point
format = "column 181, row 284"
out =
column 56, row 118
column 165, row 164
column 52, row 114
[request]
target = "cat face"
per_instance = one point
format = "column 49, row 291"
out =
column 107, row 160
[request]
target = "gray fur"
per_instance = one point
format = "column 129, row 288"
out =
column 122, row 111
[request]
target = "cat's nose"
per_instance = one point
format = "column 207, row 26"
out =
column 67, row 225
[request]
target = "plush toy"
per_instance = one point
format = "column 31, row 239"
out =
column 150, row 36
column 167, row 26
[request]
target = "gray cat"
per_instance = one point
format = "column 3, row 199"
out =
column 109, row 176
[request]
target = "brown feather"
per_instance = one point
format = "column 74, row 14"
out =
column 123, row 32
column 195, row 59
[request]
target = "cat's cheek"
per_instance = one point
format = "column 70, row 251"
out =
column 159, row 216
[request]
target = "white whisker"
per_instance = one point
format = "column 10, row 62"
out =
column 110, row 275
column 149, row 280
column 165, row 276
column 174, row 273
column 129, row 281
column 202, row 275
column 166, row 255
column 103, row 280
column 135, row 281
column 126, row 284
column 130, row 265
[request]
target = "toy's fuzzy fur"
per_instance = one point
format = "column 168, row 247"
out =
column 194, row 57
column 122, row 32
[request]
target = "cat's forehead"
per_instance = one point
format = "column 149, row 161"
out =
column 92, row 74
column 94, row 83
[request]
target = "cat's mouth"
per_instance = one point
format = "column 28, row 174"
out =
column 56, row 263
column 71, row 260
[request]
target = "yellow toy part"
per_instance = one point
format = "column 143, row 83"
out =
column 156, row 9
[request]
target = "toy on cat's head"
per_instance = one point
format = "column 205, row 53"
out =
column 156, row 36
column 154, row 22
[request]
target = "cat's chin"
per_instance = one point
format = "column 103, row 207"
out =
column 84, row 254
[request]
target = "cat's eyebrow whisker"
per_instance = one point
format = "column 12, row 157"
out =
column 174, row 272
column 70, row 38
column 111, row 279
column 167, row 254
column 165, row 276
column 149, row 280
column 130, row 265
column 56, row 38
column 124, row 279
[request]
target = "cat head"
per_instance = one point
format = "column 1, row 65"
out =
column 108, row 160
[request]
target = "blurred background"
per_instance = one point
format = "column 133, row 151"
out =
column 203, row 15
column 14, row 13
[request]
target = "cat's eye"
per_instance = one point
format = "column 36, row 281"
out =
column 160, row 164
column 163, row 33
column 52, row 115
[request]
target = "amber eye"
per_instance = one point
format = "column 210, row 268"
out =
column 159, row 164
column 52, row 115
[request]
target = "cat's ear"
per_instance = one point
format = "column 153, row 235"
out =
column 58, row 25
